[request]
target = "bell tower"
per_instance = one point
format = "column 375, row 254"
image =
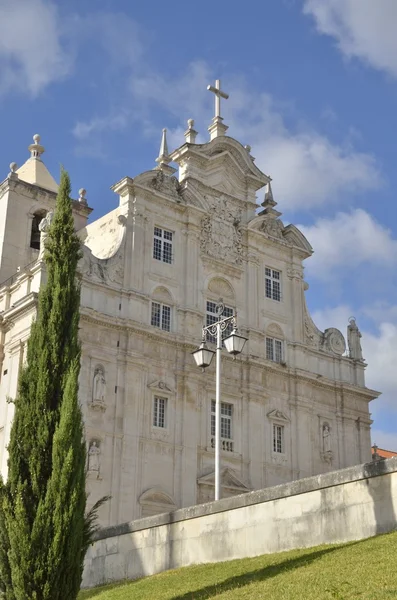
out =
column 26, row 196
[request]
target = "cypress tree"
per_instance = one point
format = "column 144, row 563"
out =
column 44, row 532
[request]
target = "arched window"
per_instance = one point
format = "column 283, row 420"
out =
column 35, row 231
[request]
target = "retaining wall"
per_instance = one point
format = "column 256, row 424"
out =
column 350, row 504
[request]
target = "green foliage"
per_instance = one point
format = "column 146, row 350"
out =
column 362, row 570
column 43, row 529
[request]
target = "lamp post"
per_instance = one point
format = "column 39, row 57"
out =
column 234, row 344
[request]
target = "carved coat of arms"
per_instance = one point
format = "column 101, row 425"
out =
column 221, row 232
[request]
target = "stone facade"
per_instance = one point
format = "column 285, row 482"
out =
column 295, row 402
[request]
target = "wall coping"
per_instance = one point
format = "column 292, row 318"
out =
column 293, row 488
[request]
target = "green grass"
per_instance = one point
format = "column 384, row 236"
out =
column 366, row 570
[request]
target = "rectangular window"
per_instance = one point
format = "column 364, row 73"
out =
column 278, row 439
column 212, row 317
column 161, row 316
column 159, row 411
column 274, row 350
column 273, row 284
column 162, row 245
column 226, row 426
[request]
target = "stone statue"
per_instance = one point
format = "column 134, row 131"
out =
column 353, row 340
column 44, row 227
column 99, row 386
column 93, row 457
column 326, row 438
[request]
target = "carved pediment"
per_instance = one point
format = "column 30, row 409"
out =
column 229, row 480
column 220, row 288
column 158, row 497
column 158, row 181
column 278, row 415
column 297, row 239
column 160, row 386
column 222, row 145
column 269, row 225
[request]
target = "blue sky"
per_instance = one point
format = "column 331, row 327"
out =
column 313, row 90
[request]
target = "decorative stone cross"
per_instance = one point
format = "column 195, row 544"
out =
column 218, row 95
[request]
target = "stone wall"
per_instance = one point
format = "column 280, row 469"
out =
column 350, row 504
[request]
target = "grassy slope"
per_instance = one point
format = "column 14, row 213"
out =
column 365, row 570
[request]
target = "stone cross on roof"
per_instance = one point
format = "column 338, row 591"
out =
column 217, row 126
column 218, row 95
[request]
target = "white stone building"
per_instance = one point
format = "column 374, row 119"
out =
column 294, row 402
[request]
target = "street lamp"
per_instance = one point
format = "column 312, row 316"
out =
column 234, row 344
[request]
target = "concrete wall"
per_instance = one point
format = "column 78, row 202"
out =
column 345, row 505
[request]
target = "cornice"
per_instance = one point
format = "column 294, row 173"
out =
column 36, row 192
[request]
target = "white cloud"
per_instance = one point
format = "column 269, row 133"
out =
column 31, row 54
column 337, row 316
column 83, row 130
column 380, row 351
column 347, row 241
column 365, row 29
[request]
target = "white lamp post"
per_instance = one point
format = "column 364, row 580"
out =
column 234, row 344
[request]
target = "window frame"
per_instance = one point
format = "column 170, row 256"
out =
column 156, row 417
column 226, row 425
column 272, row 283
column 274, row 341
column 278, row 441
column 163, row 245
column 162, row 318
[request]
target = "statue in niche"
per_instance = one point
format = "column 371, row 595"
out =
column 99, row 387
column 44, row 227
column 353, row 340
column 326, row 438
column 93, row 457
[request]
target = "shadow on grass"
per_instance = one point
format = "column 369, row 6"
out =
column 267, row 572
column 238, row 581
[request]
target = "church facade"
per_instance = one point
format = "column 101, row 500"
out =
column 294, row 403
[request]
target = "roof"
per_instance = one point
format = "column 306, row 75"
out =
column 34, row 171
column 384, row 453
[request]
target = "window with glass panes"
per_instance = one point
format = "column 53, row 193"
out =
column 213, row 317
column 278, row 439
column 274, row 349
column 226, row 420
column 162, row 245
column 159, row 411
column 272, row 284
column 161, row 316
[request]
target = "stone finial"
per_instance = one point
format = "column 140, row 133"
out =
column 163, row 158
column 269, row 203
column 190, row 133
column 35, row 149
column 248, row 148
column 13, row 168
column 82, row 194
